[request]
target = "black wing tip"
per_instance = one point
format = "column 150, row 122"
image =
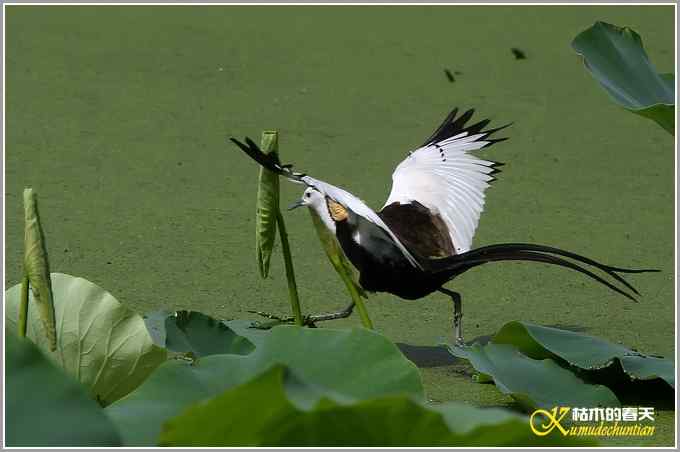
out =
column 495, row 169
column 466, row 116
column 249, row 144
column 492, row 141
column 268, row 161
column 496, row 129
column 246, row 147
column 454, row 125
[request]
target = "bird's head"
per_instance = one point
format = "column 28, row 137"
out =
column 328, row 210
column 311, row 198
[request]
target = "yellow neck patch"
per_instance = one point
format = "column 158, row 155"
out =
column 337, row 211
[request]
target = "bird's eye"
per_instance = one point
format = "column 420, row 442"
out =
column 308, row 195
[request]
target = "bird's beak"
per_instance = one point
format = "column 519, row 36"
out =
column 296, row 204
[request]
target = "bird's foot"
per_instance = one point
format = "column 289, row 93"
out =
column 458, row 329
column 458, row 347
column 308, row 320
column 275, row 320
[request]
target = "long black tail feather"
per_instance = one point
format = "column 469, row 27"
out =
column 538, row 253
column 538, row 257
column 611, row 271
column 550, row 249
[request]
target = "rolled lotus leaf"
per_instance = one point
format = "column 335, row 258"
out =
column 267, row 206
column 36, row 266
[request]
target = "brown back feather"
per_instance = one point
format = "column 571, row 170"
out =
column 419, row 229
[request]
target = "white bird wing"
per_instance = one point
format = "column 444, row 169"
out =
column 356, row 205
column 442, row 176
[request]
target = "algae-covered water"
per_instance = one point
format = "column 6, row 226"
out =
column 118, row 118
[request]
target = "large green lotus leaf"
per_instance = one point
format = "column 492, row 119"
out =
column 617, row 59
column 44, row 407
column 534, row 383
column 278, row 408
column 100, row 342
column 245, row 328
column 267, row 207
column 356, row 363
column 194, row 333
column 583, row 351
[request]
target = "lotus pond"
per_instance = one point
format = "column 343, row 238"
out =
column 118, row 118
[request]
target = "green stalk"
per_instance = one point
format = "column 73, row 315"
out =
column 342, row 267
column 269, row 218
column 23, row 307
column 361, row 306
column 290, row 273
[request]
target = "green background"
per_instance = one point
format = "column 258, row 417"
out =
column 118, row 118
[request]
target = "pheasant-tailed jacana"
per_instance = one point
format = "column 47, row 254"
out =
column 421, row 238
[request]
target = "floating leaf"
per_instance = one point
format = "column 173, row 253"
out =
column 279, row 408
column 245, row 328
column 155, row 325
column 357, row 363
column 617, row 59
column 534, row 383
column 101, row 343
column 36, row 267
column 195, row 333
column 267, row 206
column 543, row 367
column 583, row 351
column 46, row 408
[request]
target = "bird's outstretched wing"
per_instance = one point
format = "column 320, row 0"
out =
column 269, row 161
column 347, row 199
column 442, row 176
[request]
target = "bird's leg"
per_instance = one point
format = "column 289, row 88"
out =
column 458, row 318
column 457, row 315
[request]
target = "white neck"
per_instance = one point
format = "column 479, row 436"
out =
column 324, row 215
